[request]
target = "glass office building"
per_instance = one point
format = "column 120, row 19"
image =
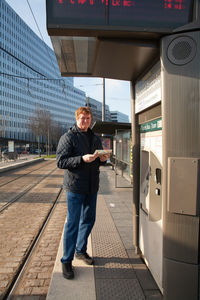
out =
column 117, row 116
column 30, row 79
column 96, row 107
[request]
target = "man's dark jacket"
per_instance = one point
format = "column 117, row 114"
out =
column 79, row 177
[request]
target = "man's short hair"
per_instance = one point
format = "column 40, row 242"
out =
column 83, row 110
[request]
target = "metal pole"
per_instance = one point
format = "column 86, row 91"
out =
column 136, row 169
column 48, row 142
column 103, row 103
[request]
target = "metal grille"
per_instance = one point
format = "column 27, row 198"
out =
column 181, row 50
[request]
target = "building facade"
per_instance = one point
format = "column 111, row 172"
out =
column 30, row 79
column 96, row 107
column 117, row 116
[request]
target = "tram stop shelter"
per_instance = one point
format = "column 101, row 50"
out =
column 109, row 128
column 156, row 46
column 118, row 136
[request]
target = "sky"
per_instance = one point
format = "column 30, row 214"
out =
column 117, row 92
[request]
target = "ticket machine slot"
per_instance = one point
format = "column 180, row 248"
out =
column 158, row 175
column 155, row 190
column 144, row 181
column 150, row 185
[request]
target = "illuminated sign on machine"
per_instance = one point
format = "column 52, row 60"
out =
column 168, row 4
column 103, row 2
column 138, row 15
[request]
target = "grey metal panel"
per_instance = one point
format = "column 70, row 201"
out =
column 183, row 185
column 180, row 281
column 181, row 238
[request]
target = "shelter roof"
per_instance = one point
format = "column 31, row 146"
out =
column 109, row 127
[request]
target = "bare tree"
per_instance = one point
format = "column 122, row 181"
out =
column 56, row 132
column 43, row 126
column 40, row 123
column 46, row 125
column 34, row 124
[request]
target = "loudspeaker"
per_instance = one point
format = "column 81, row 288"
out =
column 181, row 50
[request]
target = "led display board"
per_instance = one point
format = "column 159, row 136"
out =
column 130, row 15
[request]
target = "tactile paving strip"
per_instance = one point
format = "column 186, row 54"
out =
column 118, row 289
column 111, row 269
column 115, row 277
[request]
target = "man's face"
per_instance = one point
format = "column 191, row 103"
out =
column 83, row 122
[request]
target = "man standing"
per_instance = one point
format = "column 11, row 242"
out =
column 76, row 155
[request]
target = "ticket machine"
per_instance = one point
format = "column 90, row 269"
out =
column 167, row 107
column 148, row 108
column 151, row 197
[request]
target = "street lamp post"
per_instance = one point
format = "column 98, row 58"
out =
column 103, row 103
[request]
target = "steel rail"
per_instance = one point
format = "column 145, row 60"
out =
column 22, row 174
column 16, row 280
column 25, row 191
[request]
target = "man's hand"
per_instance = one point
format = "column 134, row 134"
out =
column 89, row 157
column 104, row 157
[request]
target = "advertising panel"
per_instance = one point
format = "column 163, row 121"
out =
column 148, row 89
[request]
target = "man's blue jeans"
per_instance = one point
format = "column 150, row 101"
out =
column 81, row 214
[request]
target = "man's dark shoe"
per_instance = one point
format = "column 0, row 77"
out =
column 68, row 272
column 85, row 257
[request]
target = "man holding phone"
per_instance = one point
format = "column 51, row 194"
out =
column 77, row 155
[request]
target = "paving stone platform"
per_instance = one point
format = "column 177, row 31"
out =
column 118, row 273
column 14, row 164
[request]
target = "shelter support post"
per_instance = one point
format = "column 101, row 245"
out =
column 135, row 135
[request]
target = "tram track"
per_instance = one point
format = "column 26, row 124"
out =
column 22, row 223
column 24, row 192
column 31, row 179
column 10, row 293
column 22, row 169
